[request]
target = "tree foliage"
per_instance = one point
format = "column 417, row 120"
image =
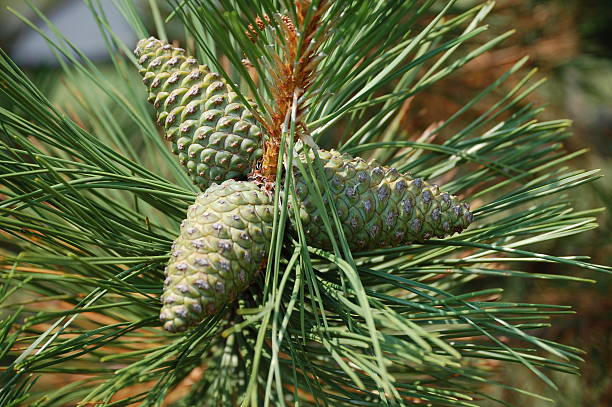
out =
column 92, row 200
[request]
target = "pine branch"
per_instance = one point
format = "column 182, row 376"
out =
column 92, row 199
column 292, row 72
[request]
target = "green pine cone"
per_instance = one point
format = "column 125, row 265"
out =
column 215, row 136
column 377, row 206
column 222, row 244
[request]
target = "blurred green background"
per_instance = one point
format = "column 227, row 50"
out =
column 570, row 41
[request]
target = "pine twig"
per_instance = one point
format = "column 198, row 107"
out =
column 292, row 72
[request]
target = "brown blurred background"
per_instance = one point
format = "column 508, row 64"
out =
column 570, row 41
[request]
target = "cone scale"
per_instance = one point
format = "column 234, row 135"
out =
column 222, row 244
column 214, row 134
column 376, row 205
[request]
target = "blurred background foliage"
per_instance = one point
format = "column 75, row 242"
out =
column 570, row 41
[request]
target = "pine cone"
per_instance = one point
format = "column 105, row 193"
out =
column 215, row 136
column 377, row 206
column 222, row 244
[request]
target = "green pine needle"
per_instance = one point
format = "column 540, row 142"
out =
column 92, row 200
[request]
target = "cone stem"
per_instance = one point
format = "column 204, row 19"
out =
column 295, row 69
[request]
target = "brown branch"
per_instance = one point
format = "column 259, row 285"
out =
column 292, row 72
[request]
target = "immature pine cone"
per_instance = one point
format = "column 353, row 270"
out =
column 222, row 244
column 377, row 206
column 215, row 136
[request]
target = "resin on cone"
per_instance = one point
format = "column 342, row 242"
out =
column 214, row 134
column 376, row 205
column 221, row 246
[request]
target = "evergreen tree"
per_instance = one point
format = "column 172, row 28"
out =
column 92, row 199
